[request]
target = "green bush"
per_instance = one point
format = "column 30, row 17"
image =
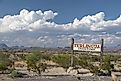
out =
column 46, row 56
column 34, row 57
column 15, row 74
column 21, row 56
column 63, row 60
column 91, row 58
column 93, row 69
column 106, row 63
column 87, row 63
column 95, row 58
column 3, row 66
column 115, row 57
column 84, row 57
column 4, row 62
column 83, row 63
column 34, row 63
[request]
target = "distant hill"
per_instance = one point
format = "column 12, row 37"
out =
column 116, row 48
column 2, row 45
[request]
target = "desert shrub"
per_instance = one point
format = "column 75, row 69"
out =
column 3, row 66
column 4, row 62
column 106, row 63
column 93, row 69
column 87, row 63
column 91, row 58
column 46, row 56
column 84, row 60
column 115, row 57
column 15, row 74
column 34, row 57
column 63, row 60
column 75, row 61
column 83, row 63
column 34, row 63
column 84, row 57
column 94, row 58
column 21, row 56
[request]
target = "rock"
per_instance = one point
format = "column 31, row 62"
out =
column 83, row 71
column 117, row 67
column 55, row 71
column 79, row 71
column 87, row 74
column 114, row 77
column 69, row 69
column 117, row 73
column 73, row 72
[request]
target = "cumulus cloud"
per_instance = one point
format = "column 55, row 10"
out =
column 96, row 22
column 29, row 26
column 26, row 20
column 33, row 20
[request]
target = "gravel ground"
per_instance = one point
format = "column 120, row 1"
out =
column 62, row 78
column 67, row 78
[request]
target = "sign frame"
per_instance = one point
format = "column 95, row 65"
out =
column 101, row 51
column 86, row 47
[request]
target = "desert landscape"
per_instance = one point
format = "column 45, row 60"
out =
column 60, row 40
column 54, row 64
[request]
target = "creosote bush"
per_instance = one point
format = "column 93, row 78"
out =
column 34, row 63
column 64, row 60
column 4, row 62
column 15, row 74
column 107, row 63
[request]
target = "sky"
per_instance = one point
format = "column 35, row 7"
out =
column 52, row 23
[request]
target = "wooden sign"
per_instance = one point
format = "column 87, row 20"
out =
column 87, row 47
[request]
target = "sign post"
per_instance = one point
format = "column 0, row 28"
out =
column 101, row 53
column 72, row 43
column 85, row 47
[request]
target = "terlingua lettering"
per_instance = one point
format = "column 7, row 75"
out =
column 87, row 46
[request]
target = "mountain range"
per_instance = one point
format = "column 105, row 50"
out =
column 2, row 45
column 116, row 48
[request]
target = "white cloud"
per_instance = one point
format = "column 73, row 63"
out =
column 36, row 28
column 33, row 20
column 26, row 20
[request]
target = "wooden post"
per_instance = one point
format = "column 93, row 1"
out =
column 101, row 54
column 72, row 59
column 102, row 42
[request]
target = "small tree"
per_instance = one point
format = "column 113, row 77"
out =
column 34, row 63
column 3, row 66
column 4, row 62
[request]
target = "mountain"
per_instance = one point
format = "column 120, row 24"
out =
column 2, row 45
column 116, row 48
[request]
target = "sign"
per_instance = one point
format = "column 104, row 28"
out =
column 87, row 47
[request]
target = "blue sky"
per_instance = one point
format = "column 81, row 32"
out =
column 67, row 9
column 55, row 22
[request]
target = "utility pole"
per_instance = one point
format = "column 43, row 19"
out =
column 72, row 58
